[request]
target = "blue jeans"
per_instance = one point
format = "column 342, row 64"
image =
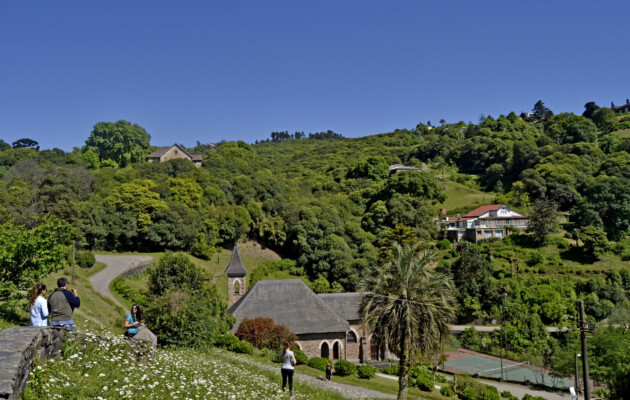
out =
column 64, row 324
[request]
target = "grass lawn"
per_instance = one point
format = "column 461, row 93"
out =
column 624, row 133
column 461, row 198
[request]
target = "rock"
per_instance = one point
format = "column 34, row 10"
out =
column 146, row 335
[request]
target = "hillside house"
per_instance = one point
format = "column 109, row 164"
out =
column 327, row 325
column 485, row 222
column 171, row 152
column 621, row 109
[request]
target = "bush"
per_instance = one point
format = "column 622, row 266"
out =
column 420, row 378
column 344, row 368
column 300, row 357
column 84, row 259
column 190, row 319
column 264, row 333
column 318, row 363
column 530, row 397
column 446, row 391
column 444, row 244
column 366, row 371
column 392, row 369
column 232, row 343
column 507, row 395
column 468, row 394
column 120, row 286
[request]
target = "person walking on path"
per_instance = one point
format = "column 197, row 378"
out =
column 132, row 321
column 38, row 306
column 62, row 303
column 328, row 371
column 288, row 362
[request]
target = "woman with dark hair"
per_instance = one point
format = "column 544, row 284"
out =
column 38, row 306
column 288, row 362
column 133, row 320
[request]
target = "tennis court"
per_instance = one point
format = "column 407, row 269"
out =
column 490, row 367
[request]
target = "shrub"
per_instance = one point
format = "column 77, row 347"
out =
column 318, row 363
column 446, row 391
column 468, row 394
column 392, row 369
column 344, row 368
column 530, row 397
column 85, row 259
column 366, row 371
column 264, row 333
column 300, row 357
column 420, row 378
column 190, row 319
column 120, row 286
column 232, row 343
column 507, row 395
column 444, row 244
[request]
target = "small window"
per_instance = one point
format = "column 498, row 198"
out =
column 237, row 287
column 351, row 337
column 176, row 152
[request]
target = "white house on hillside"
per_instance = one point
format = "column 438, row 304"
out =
column 486, row 222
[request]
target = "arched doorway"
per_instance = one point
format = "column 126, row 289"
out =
column 325, row 352
column 336, row 351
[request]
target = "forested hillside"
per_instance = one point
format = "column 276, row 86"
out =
column 331, row 204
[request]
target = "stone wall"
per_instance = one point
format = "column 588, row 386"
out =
column 137, row 270
column 19, row 347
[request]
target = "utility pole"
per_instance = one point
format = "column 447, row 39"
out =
column 73, row 262
column 587, row 395
column 577, row 377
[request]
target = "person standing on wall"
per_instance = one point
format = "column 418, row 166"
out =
column 288, row 362
column 62, row 303
column 37, row 306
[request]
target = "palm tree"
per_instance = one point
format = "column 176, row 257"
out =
column 408, row 306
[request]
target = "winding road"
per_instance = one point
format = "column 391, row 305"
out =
column 115, row 265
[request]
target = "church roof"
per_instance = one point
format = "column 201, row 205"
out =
column 346, row 305
column 236, row 267
column 291, row 303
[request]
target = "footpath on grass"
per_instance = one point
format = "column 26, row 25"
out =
column 117, row 264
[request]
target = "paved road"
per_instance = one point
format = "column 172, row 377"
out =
column 116, row 265
column 517, row 390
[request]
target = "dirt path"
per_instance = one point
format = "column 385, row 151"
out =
column 116, row 265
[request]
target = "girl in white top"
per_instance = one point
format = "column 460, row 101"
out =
column 288, row 361
column 38, row 306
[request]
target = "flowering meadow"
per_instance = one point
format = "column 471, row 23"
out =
column 107, row 367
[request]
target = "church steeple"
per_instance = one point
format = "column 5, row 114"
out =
column 236, row 273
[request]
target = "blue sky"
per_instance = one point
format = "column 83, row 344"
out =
column 238, row 70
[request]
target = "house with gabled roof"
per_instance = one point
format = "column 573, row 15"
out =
column 327, row 325
column 492, row 221
column 622, row 108
column 166, row 153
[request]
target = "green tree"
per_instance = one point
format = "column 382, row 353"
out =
column 605, row 119
column 25, row 142
column 594, row 242
column 542, row 221
column 174, row 271
column 541, row 113
column 121, row 142
column 408, row 305
column 27, row 255
column 589, row 109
